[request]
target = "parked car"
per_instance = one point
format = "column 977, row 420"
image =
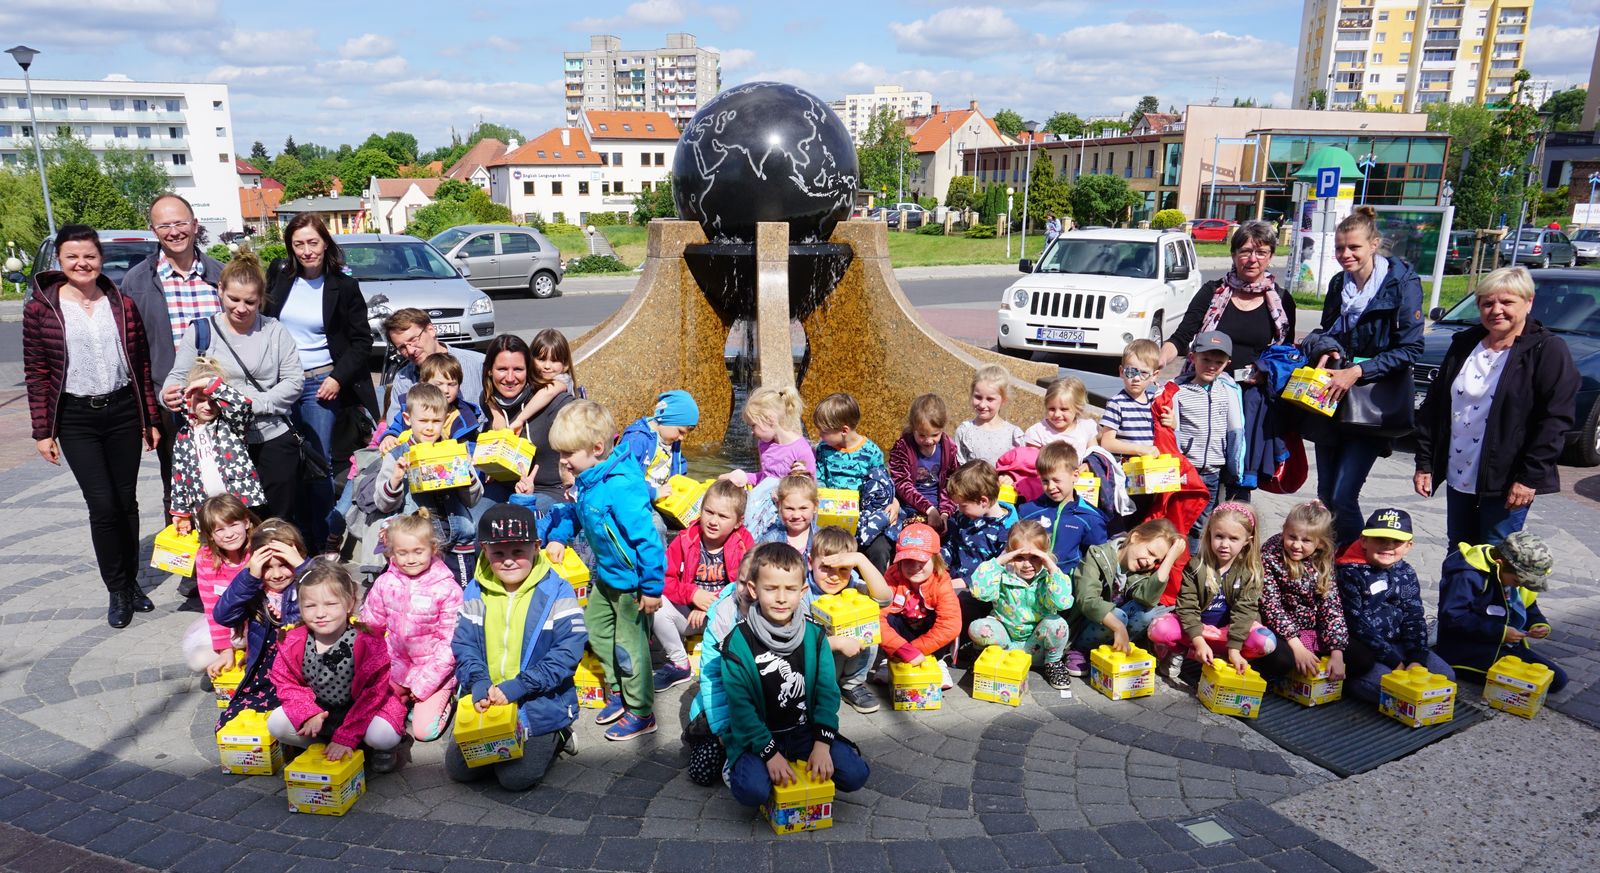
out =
column 1539, row 247
column 1458, row 259
column 402, row 271
column 1587, row 244
column 1567, row 302
column 504, row 257
column 1095, row 291
column 1211, row 229
column 123, row 249
column 915, row 215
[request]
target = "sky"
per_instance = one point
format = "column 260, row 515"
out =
column 335, row 72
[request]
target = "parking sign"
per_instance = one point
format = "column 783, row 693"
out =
column 1328, row 182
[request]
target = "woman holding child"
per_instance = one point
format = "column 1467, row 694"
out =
column 514, row 398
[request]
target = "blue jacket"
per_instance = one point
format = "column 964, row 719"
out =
column 1074, row 527
column 711, row 700
column 640, row 441
column 1474, row 611
column 469, row 419
column 1390, row 620
column 969, row 542
column 877, row 492
column 1389, row 330
column 617, row 519
column 244, row 604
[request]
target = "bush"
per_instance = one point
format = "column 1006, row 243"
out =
column 931, row 229
column 534, row 220
column 605, row 219
column 928, row 203
column 596, row 264
column 960, row 193
column 980, row 231
column 1167, row 218
column 558, row 217
column 271, row 252
column 559, row 226
column 221, row 253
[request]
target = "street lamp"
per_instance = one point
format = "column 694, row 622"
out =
column 1367, row 162
column 1032, row 127
column 24, row 57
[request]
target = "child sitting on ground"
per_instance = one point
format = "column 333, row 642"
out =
column 1117, row 590
column 835, row 566
column 1028, row 591
column 923, row 617
column 258, row 604
column 1127, row 427
column 209, row 455
column 977, row 532
column 987, row 436
column 921, row 461
column 848, row 460
column 1382, row 600
column 1073, row 524
column 698, row 562
column 1208, row 419
column 1300, row 597
column 225, row 525
column 655, row 442
column 1066, row 400
column 774, row 418
column 1219, row 600
column 1488, row 606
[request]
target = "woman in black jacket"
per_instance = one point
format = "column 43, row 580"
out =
column 1496, row 417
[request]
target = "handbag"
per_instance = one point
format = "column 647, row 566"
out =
column 1380, row 408
column 313, row 466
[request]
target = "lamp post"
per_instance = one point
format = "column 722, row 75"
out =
column 1032, row 127
column 1594, row 192
column 1367, row 162
column 24, row 57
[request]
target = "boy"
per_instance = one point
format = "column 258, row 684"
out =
column 1488, row 606
column 513, row 587
column 442, row 371
column 976, row 533
column 450, row 508
column 629, row 561
column 700, row 562
column 1127, row 427
column 1382, row 601
column 848, row 460
column 1209, row 424
column 1074, row 525
column 656, row 440
column 783, row 703
column 835, row 566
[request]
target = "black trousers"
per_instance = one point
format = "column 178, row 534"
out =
column 103, row 448
column 278, row 466
column 168, row 424
column 1358, row 659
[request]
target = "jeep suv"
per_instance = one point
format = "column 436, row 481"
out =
column 1094, row 291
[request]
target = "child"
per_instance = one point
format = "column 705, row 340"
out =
column 1219, row 600
column 332, row 676
column 923, row 616
column 1117, row 590
column 698, row 560
column 462, row 420
column 1065, row 401
column 921, row 461
column 1488, row 606
column 708, row 714
column 783, row 703
column 209, row 456
column 1300, row 597
column 978, row 531
column 1382, row 600
column 1127, row 427
column 518, row 641
column 655, row 442
column 629, row 559
column 414, row 605
column 796, row 499
column 987, row 436
column 1073, row 524
column 1027, row 590
column 774, row 418
column 552, row 376
column 1209, row 424
column 259, row 603
column 225, row 524
column 848, row 460
column 835, row 566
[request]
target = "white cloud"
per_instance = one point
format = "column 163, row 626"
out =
column 966, row 33
column 336, row 103
column 47, row 24
column 1577, row 13
column 367, row 45
column 736, row 59
column 1561, row 54
column 645, row 13
column 725, row 17
column 264, row 44
column 502, row 44
column 347, row 70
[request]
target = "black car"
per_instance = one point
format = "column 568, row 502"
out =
column 1458, row 259
column 1567, row 302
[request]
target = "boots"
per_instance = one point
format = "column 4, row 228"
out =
column 120, row 612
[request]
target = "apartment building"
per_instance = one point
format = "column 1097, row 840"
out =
column 570, row 173
column 1405, row 54
column 677, row 79
column 857, row 110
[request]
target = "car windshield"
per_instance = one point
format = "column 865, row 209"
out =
column 1588, row 234
column 392, row 261
column 1101, row 257
column 121, row 255
column 1529, row 235
column 446, row 240
column 1567, row 305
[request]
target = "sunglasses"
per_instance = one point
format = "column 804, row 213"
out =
column 1136, row 373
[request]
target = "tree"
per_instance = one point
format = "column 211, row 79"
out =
column 1147, row 103
column 1101, row 199
column 1046, row 194
column 283, row 166
column 1167, row 218
column 488, row 129
column 258, row 155
column 884, row 154
column 1065, row 124
column 21, row 210
column 401, row 146
column 1009, row 122
column 439, row 216
column 289, row 148
column 311, row 180
column 1468, row 125
column 1244, row 102
column 1566, row 108
column 960, row 193
column 81, row 193
column 366, row 163
column 139, row 179
column 1494, row 181
column 657, row 203
column 1317, row 99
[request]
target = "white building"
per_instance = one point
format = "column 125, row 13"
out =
column 185, row 127
column 391, row 203
column 599, row 166
column 471, row 169
column 940, row 140
column 677, row 79
column 857, row 110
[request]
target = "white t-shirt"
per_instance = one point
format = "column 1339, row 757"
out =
column 1471, row 396
column 302, row 315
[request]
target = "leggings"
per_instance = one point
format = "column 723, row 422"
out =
column 1167, row 632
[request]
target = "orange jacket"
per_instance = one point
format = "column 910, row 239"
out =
column 940, row 597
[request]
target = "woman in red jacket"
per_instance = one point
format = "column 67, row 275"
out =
column 92, row 402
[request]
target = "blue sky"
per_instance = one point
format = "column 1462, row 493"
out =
column 333, row 72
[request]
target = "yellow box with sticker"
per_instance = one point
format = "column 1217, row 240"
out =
column 1517, row 686
column 840, row 507
column 1122, row 675
column 1226, row 691
column 916, row 686
column 1008, row 494
column 803, row 805
column 590, row 680
column 576, row 572
column 1000, row 674
column 1307, row 388
column 1087, row 487
column 489, row 737
column 692, row 646
column 439, row 467
column 247, row 748
column 503, row 455
column 1157, row 474
column 848, row 613
column 1310, row 689
column 682, row 505
column 227, row 682
column 1416, row 697
column 173, row 553
column 323, row 787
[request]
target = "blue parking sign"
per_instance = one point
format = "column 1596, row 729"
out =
column 1328, row 182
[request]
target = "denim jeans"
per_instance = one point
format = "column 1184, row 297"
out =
column 751, row 786
column 1342, row 468
column 1368, row 685
column 1135, row 616
column 1476, row 520
column 1213, row 482
column 853, row 670
column 315, row 419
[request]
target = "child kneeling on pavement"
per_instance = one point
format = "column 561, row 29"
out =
column 1382, row 600
column 1489, row 607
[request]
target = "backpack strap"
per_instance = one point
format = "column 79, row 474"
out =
column 202, row 335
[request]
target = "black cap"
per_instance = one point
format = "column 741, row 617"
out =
column 506, row 523
column 1394, row 524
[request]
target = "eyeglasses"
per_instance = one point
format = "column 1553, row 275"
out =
column 174, row 225
column 1136, row 373
column 1253, row 253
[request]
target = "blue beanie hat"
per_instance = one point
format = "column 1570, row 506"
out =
column 677, row 409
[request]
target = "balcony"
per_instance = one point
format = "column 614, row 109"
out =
column 1351, row 65
column 1355, row 23
column 1509, row 30
column 1452, row 43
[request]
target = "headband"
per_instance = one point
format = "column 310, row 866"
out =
column 1241, row 508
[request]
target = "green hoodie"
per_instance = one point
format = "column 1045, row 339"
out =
column 1091, row 582
column 505, row 617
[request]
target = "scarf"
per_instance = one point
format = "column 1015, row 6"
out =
column 1266, row 285
column 1354, row 299
column 510, row 407
column 779, row 639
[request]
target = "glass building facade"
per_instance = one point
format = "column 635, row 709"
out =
column 1407, row 170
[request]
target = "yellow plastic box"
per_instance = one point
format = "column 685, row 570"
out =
column 1225, row 692
column 1415, row 697
column 173, row 553
column 692, row 646
column 839, row 506
column 1122, row 676
column 1088, row 487
column 1517, row 686
column 1000, row 674
column 503, row 455
column 440, row 466
column 246, row 746
column 488, row 737
column 1160, row 474
column 804, row 805
column 1308, row 389
column 682, row 506
column 916, row 686
column 1310, row 689
column 590, row 680
column 576, row 573
column 323, row 787
column 848, row 613
column 1008, row 494
column 227, row 682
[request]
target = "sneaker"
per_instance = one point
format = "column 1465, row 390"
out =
column 1076, row 662
column 568, row 743
column 390, row 760
column 860, row 699
column 671, row 676
column 945, row 681
column 1189, row 672
column 187, row 587
column 631, row 726
column 613, row 710
column 1057, row 675
column 880, row 676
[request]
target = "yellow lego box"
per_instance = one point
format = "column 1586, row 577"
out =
column 246, row 746
column 173, row 553
column 1310, row 689
column 682, row 506
column 227, row 682
column 590, row 680
column 848, row 613
column 1415, row 697
column 323, row 787
column 1088, row 487
column 575, row 572
column 1517, row 686
column 916, row 686
column 692, row 646
column 1158, row 474
column 804, row 805
column 1308, row 389
column 440, row 466
column 840, row 507
column 503, row 455
column 1122, row 676
column 1000, row 674
column 1008, row 494
column 488, row 737
column 1225, row 692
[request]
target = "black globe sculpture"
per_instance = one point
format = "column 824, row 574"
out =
column 765, row 151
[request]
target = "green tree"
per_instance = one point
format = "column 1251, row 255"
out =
column 1147, row 103
column 1468, row 124
column 21, row 211
column 82, row 194
column 884, row 154
column 439, row 216
column 1244, row 101
column 311, row 180
column 366, row 163
column 1009, row 122
column 1317, row 99
column 283, row 166
column 488, row 129
column 1047, row 195
column 401, row 146
column 657, row 203
column 139, row 179
column 1494, row 181
column 258, row 155
column 1101, row 199
column 1167, row 218
column 1065, row 124
column 289, row 148
column 960, row 193
column 1566, row 108
column 474, row 199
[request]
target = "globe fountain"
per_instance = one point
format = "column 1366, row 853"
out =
column 764, row 179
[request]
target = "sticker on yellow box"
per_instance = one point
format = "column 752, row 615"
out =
column 1415, row 697
column 590, row 680
column 227, row 682
column 323, row 787
column 1517, row 686
column 916, row 686
column 1158, row 474
column 1122, row 675
column 489, row 737
column 1308, row 389
column 246, row 746
column 803, row 805
column 503, row 455
column 682, row 505
column 1088, row 488
column 840, row 507
column 576, row 573
column 1310, row 689
column 173, row 553
column 439, row 466
column 1224, row 691
column 848, row 613
column 1000, row 674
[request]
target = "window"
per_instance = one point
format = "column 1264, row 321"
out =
column 222, row 132
column 22, row 103
column 644, row 159
column 1399, row 99
column 118, row 104
column 2, row 101
column 645, row 187
column 1372, row 78
column 216, row 104
column 661, row 159
column 58, row 103
column 175, row 133
column 142, row 131
column 141, row 106
column 527, row 189
column 120, row 131
column 1383, row 16
column 517, row 244
column 150, row 157
column 1377, row 58
column 605, row 158
column 1405, row 57
column 179, row 160
column 1400, row 78
column 583, row 189
column 555, row 189
column 479, row 246
column 224, row 158
column 605, row 187
column 1382, row 37
column 85, row 131
column 616, row 159
column 172, row 106
column 1412, row 15
column 1405, row 37
column 83, row 103
column 5, row 130
column 1477, row 51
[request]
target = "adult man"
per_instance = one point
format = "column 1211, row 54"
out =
column 412, row 333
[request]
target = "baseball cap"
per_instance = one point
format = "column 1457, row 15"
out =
column 1394, row 524
column 1528, row 556
column 917, row 542
column 506, row 523
column 1212, row 341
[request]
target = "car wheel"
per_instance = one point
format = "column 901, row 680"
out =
column 542, row 286
column 1545, row 264
column 1572, row 262
column 1155, row 328
column 1586, row 451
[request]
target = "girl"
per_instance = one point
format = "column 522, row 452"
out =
column 333, row 676
column 552, row 372
column 209, row 454
column 259, row 603
column 774, row 418
column 225, row 527
column 923, row 617
column 796, row 499
column 1219, row 597
column 1028, row 591
column 699, row 561
column 987, row 436
column 414, row 606
column 921, row 461
column 1064, row 403
column 1300, row 598
column 510, row 383
column 1117, row 588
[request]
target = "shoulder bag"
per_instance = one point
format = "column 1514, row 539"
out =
column 312, row 465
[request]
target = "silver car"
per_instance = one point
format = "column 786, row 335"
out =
column 504, row 257
column 1587, row 242
column 397, row 272
column 124, row 249
column 1540, row 247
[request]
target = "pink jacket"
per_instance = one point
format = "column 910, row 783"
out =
column 419, row 617
column 371, row 696
column 683, row 559
column 211, row 579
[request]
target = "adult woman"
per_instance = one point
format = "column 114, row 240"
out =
column 507, row 388
column 1247, row 304
column 91, row 401
column 1496, row 417
column 1371, row 329
column 262, row 362
column 321, row 306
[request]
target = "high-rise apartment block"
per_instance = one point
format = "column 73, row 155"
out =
column 1405, row 54
column 677, row 80
column 856, row 110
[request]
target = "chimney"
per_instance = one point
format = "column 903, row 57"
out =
column 935, row 109
column 972, row 105
column 566, row 136
column 512, row 145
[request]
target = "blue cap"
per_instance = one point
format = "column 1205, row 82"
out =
column 677, row 409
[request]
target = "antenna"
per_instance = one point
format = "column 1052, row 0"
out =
column 1216, row 89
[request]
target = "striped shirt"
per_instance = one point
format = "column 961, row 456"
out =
column 1203, row 424
column 189, row 296
column 1130, row 419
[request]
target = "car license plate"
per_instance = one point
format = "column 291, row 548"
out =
column 1420, row 396
column 1060, row 335
column 447, row 327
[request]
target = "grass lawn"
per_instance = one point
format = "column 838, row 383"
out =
column 629, row 241
column 1455, row 288
column 916, row 250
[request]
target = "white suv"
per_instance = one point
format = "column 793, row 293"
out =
column 1095, row 291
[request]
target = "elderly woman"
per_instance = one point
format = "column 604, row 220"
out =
column 1496, row 417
